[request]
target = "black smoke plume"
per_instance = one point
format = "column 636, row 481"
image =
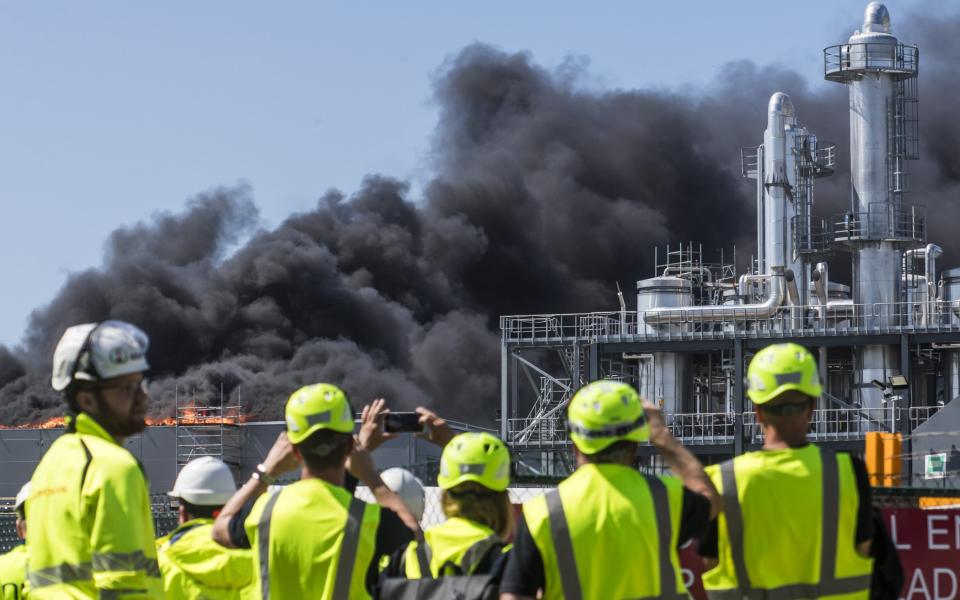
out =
column 545, row 194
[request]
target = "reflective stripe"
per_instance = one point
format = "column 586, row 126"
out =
column 798, row 591
column 563, row 546
column 126, row 561
column 731, row 509
column 608, row 431
column 263, row 544
column 423, row 560
column 62, row 573
column 476, row 553
column 118, row 594
column 661, row 505
column 829, row 585
column 831, row 514
column 348, row 550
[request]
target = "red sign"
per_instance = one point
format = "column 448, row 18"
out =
column 928, row 542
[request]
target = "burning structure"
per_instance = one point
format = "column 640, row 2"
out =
column 888, row 343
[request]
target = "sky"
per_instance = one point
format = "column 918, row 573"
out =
column 111, row 111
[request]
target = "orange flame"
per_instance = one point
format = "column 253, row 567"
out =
column 191, row 416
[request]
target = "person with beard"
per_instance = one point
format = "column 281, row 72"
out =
column 91, row 530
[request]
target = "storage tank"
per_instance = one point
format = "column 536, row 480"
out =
column 664, row 377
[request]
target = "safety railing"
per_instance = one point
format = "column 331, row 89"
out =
column 702, row 428
column 838, row 318
column 750, row 161
column 882, row 221
column 843, row 62
column 537, row 431
column 828, row 424
column 920, row 414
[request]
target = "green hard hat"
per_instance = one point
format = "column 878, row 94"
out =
column 779, row 368
column 604, row 412
column 478, row 457
column 315, row 407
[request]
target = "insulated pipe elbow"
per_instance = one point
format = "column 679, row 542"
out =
column 715, row 314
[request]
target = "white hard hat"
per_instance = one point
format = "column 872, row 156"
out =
column 94, row 352
column 204, row 481
column 408, row 487
column 22, row 496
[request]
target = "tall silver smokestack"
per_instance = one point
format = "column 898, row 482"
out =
column 874, row 65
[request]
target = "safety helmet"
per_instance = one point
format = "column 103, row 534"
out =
column 604, row 412
column 22, row 496
column 95, row 352
column 779, row 368
column 408, row 487
column 478, row 457
column 204, row 481
column 315, row 407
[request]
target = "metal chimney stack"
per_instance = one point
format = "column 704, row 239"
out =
column 881, row 75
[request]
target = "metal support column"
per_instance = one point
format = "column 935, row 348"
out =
column 738, row 396
column 594, row 357
column 576, row 377
column 504, row 389
column 905, row 402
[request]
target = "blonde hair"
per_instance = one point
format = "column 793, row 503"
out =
column 479, row 504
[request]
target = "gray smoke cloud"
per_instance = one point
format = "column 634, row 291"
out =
column 545, row 194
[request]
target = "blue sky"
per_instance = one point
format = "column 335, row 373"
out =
column 111, row 111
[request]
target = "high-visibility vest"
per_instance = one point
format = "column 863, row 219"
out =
column 456, row 541
column 609, row 532
column 195, row 567
column 91, row 529
column 13, row 573
column 788, row 528
column 312, row 539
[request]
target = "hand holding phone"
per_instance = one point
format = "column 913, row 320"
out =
column 402, row 422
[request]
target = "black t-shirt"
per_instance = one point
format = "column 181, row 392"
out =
column 709, row 543
column 524, row 574
column 392, row 534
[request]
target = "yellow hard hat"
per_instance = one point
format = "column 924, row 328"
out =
column 779, row 368
column 604, row 412
column 315, row 407
column 479, row 457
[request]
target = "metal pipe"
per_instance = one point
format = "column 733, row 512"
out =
column 792, row 292
column 705, row 274
column 821, row 281
column 780, row 112
column 746, row 280
column 714, row 313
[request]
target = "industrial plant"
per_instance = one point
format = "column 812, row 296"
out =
column 888, row 343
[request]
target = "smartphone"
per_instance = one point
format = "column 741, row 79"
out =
column 402, row 422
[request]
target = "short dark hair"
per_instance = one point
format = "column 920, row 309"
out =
column 198, row 511
column 325, row 449
column 619, row 452
column 788, row 404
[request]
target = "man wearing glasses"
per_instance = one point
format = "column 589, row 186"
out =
column 91, row 530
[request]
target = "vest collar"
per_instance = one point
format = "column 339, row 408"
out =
column 87, row 425
column 177, row 533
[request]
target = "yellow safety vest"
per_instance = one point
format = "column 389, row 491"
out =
column 91, row 529
column 456, row 541
column 194, row 567
column 779, row 508
column 13, row 573
column 609, row 532
column 312, row 539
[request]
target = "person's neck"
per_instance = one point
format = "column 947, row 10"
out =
column 120, row 439
column 774, row 440
column 331, row 476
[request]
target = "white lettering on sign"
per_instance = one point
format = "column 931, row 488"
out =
column 943, row 593
column 918, row 585
column 893, row 534
column 932, row 531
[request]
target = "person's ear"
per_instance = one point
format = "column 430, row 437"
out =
column 760, row 416
column 297, row 453
column 85, row 401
